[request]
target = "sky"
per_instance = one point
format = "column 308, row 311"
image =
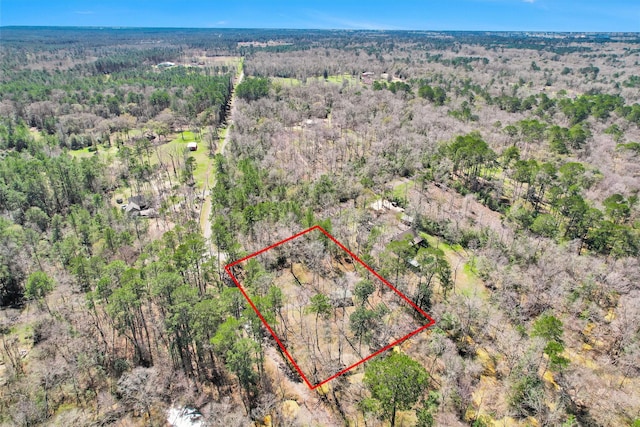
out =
column 472, row 15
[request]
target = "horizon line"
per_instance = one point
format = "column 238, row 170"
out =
column 378, row 30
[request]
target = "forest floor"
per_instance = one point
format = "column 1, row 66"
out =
column 308, row 408
column 335, row 345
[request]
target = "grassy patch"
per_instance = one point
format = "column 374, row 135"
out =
column 35, row 134
column 239, row 67
column 342, row 78
column 200, row 174
column 336, row 79
column 102, row 151
column 286, row 81
column 466, row 277
column 400, row 191
column 65, row 407
column 470, row 268
column 123, row 192
column 437, row 242
column 178, row 145
column 24, row 331
column 81, row 153
column 185, row 137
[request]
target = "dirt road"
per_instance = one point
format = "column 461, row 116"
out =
column 205, row 213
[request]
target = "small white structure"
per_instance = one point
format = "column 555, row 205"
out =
column 367, row 77
column 192, row 146
column 382, row 204
column 184, row 417
column 407, row 220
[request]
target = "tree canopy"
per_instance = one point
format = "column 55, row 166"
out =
column 396, row 381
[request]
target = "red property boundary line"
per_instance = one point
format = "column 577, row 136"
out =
column 283, row 348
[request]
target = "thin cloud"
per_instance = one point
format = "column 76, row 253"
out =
column 529, row 1
column 332, row 21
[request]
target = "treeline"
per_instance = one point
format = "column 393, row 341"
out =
column 598, row 106
column 253, row 88
column 207, row 91
column 459, row 61
column 131, row 59
column 81, row 111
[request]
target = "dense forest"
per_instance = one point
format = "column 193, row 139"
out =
column 491, row 178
